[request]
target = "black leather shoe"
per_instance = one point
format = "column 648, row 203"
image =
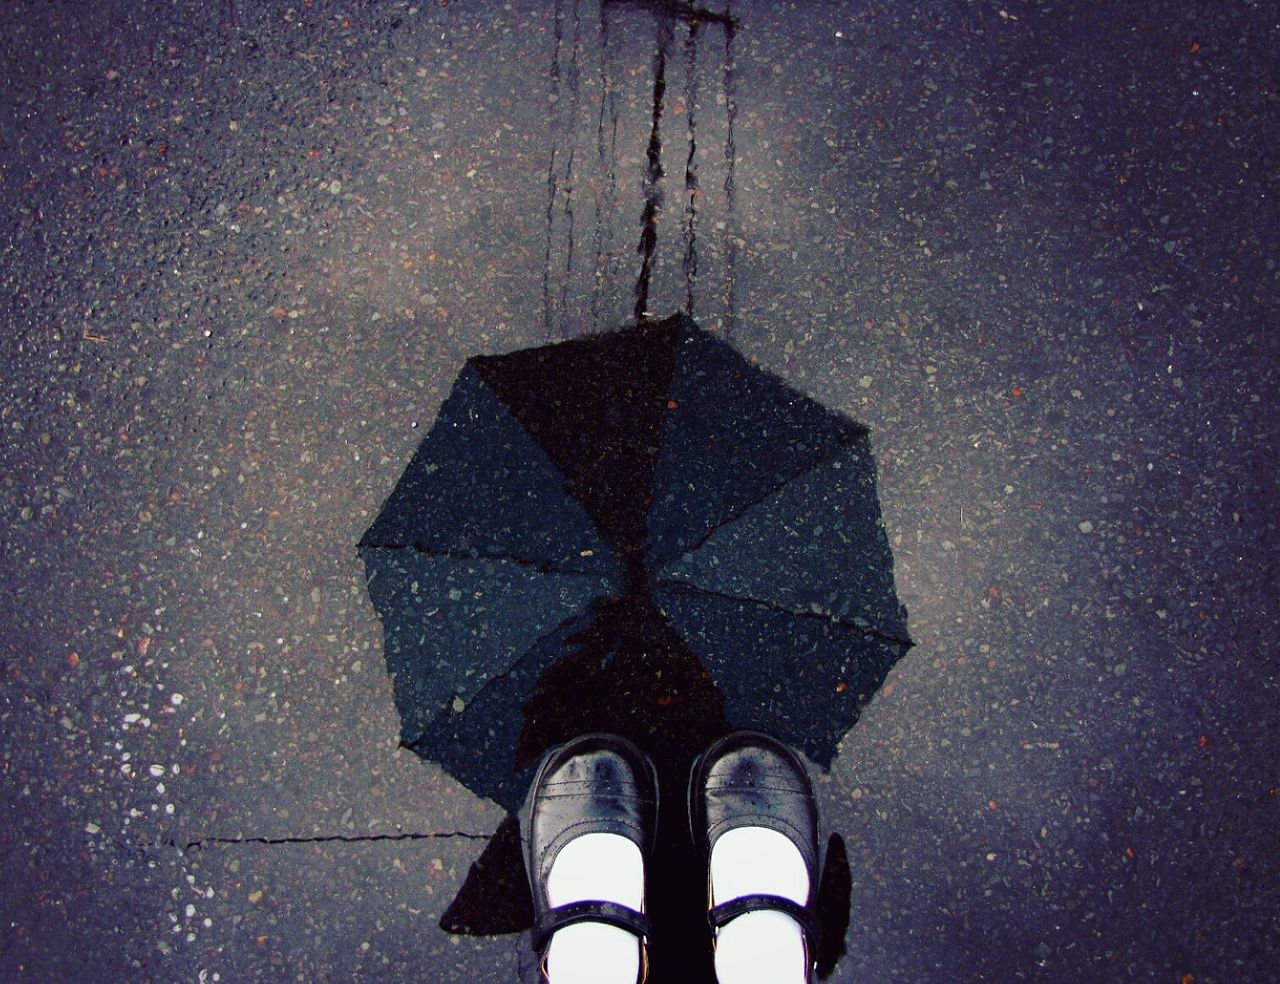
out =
column 594, row 784
column 748, row 779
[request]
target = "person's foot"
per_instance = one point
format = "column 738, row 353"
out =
column 587, row 829
column 754, row 816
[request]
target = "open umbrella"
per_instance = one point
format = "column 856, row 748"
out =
column 638, row 532
column 650, row 473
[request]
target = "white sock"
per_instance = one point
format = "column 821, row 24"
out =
column 759, row 947
column 608, row 868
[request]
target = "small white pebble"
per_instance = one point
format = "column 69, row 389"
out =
column 176, row 699
column 156, row 771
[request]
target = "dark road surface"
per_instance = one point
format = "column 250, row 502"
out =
column 247, row 249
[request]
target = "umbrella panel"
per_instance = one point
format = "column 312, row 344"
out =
column 815, row 546
column 802, row 679
column 618, row 667
column 732, row 435
column 595, row 406
column 459, row 623
column 480, row 485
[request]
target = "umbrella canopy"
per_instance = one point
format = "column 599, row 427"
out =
column 638, row 532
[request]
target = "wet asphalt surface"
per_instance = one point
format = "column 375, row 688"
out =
column 247, row 250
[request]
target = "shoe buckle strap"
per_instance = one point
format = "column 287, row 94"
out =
column 610, row 913
column 727, row 911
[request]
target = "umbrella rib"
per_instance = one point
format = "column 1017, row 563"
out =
column 772, row 489
column 680, row 587
column 543, row 566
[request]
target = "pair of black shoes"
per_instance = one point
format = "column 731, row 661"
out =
column 602, row 783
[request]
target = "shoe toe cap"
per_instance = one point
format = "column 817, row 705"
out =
column 755, row 782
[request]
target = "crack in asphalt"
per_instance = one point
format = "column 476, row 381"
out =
column 654, row 173
column 557, row 128
column 203, row 842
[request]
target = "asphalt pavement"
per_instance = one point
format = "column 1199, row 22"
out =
column 247, row 249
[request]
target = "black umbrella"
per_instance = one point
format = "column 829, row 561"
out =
column 638, row 532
